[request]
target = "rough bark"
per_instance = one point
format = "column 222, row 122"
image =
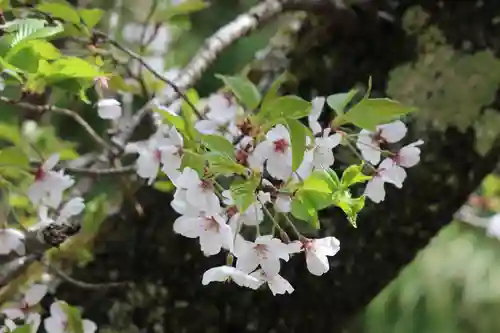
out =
column 331, row 55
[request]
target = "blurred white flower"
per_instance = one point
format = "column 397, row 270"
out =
column 109, row 108
column 58, row 321
column 31, row 298
column 11, row 240
column 225, row 273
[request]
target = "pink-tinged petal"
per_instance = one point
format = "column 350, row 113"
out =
column 206, row 126
column 317, row 264
column 375, row 189
column 277, row 133
column 13, row 313
column 57, row 311
column 50, row 162
column 283, row 203
column 188, row 226
column 393, row 132
column 89, row 326
column 54, row 325
column 328, row 246
column 109, row 109
column 188, row 179
column 409, row 156
column 35, row 294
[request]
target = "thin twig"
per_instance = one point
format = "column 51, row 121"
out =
column 82, row 284
column 93, row 171
column 67, row 112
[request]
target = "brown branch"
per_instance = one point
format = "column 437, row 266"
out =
column 67, row 112
column 82, row 284
column 92, row 171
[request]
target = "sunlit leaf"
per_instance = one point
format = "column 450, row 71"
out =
column 244, row 90
column 243, row 192
column 91, row 17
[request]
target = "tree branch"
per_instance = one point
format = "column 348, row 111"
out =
column 67, row 112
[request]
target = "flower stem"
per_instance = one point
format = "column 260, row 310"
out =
column 283, row 233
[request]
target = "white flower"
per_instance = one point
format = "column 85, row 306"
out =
column 72, row 208
column 109, row 108
column 409, row 155
column 317, row 251
column 58, row 321
column 317, row 107
column 224, row 273
column 252, row 216
column 276, row 150
column 369, row 143
column 198, row 192
column 283, row 203
column 277, row 284
column 387, row 172
column 31, row 298
column 266, row 251
column 171, row 155
column 33, row 319
column 11, row 240
column 49, row 185
column 322, row 151
column 493, row 229
column 212, row 230
column 150, row 154
column 221, row 117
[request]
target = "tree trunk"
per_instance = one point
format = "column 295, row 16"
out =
column 330, row 55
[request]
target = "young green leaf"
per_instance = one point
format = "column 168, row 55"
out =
column 353, row 175
column 172, row 119
column 284, row 107
column 298, row 138
column 14, row 156
column 194, row 161
column 91, row 17
column 339, row 102
column 184, row 8
column 60, row 10
column 243, row 192
column 272, row 93
column 164, row 186
column 74, row 318
column 188, row 114
column 244, row 90
column 369, row 113
column 22, row 329
column 217, row 143
column 350, row 206
column 304, row 209
column 222, row 164
column 324, row 181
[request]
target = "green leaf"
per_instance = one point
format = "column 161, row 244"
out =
column 369, row 113
column 353, row 175
column 95, row 213
column 193, row 160
column 350, row 206
column 61, row 10
column 217, row 143
column 324, row 181
column 304, row 209
column 14, row 156
column 74, row 318
column 71, row 67
column 244, row 90
column 284, row 107
column 22, row 329
column 184, row 8
column 91, row 17
column 221, row 164
column 10, row 133
column 116, row 82
column 172, row 119
column 243, row 192
column 188, row 114
column 298, row 138
column 164, row 186
column 272, row 93
column 339, row 102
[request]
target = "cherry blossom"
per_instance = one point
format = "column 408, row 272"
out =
column 198, row 192
column 317, row 252
column 31, row 298
column 11, row 240
column 212, row 230
column 225, row 273
column 221, row 117
column 369, row 142
column 71, row 208
column 252, row 216
column 387, row 172
column 49, row 185
column 266, row 251
column 171, row 155
column 58, row 321
column 276, row 150
column 276, row 283
column 322, row 151
column 150, row 154
column 317, row 107
column 109, row 108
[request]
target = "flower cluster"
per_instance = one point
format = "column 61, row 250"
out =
column 392, row 168
column 265, row 183
column 25, row 312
